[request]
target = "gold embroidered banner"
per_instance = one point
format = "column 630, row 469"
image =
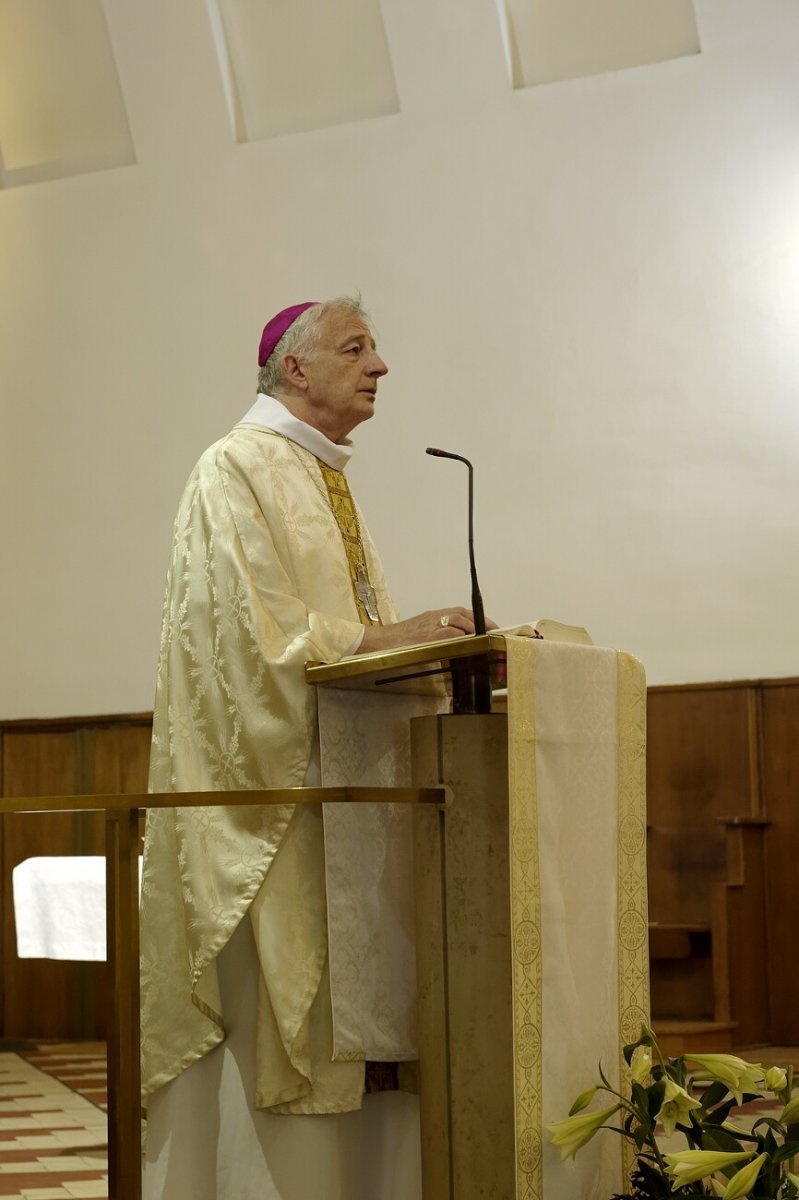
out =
column 576, row 738
column 525, row 901
column 633, row 959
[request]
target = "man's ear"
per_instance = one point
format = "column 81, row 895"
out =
column 293, row 371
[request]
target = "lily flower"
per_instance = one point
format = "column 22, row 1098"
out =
column 743, row 1181
column 790, row 1114
column 570, row 1134
column 736, row 1075
column 675, row 1107
column 583, row 1100
column 776, row 1079
column 689, row 1166
column 641, row 1063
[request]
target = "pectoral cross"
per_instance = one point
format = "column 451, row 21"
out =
column 366, row 594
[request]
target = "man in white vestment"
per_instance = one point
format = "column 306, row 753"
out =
column 272, row 566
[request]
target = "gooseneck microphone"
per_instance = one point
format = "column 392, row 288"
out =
column 477, row 599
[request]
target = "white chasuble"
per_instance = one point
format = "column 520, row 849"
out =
column 258, row 585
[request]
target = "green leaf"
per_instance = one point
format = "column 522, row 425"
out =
column 740, row 1134
column 787, row 1150
column 692, row 1136
column 770, row 1124
column 714, row 1095
column 640, row 1097
column 655, row 1094
column 630, row 1049
column 715, row 1138
column 652, row 1179
column 719, row 1115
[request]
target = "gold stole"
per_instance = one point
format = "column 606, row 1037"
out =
column 343, row 507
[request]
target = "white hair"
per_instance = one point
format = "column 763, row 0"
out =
column 302, row 338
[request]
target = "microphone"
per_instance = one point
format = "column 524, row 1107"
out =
column 477, row 599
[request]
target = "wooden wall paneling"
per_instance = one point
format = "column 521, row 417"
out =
column 702, row 752
column 42, row 997
column 740, row 929
column 683, row 865
column 3, row 906
column 715, row 750
column 121, row 758
column 702, row 764
column 37, row 762
column 757, row 809
column 781, row 792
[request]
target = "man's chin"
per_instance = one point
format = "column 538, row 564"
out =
column 364, row 412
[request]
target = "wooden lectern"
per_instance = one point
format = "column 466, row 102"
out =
column 530, row 903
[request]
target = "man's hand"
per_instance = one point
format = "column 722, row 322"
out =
column 431, row 626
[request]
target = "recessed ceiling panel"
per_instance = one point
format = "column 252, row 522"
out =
column 296, row 65
column 547, row 40
column 61, row 108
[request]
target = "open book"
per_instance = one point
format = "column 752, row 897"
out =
column 552, row 631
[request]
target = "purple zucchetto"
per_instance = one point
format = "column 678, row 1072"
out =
column 275, row 329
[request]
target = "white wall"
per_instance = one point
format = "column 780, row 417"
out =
column 592, row 288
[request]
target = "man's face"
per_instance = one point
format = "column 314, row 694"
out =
column 342, row 375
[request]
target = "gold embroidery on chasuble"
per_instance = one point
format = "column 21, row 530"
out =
column 343, row 508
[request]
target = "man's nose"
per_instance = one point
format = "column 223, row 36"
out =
column 377, row 366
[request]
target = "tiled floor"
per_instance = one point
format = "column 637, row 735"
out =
column 53, row 1142
column 53, row 1126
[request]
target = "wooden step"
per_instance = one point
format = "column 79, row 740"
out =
column 701, row 1037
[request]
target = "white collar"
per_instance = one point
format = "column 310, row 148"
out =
column 269, row 413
